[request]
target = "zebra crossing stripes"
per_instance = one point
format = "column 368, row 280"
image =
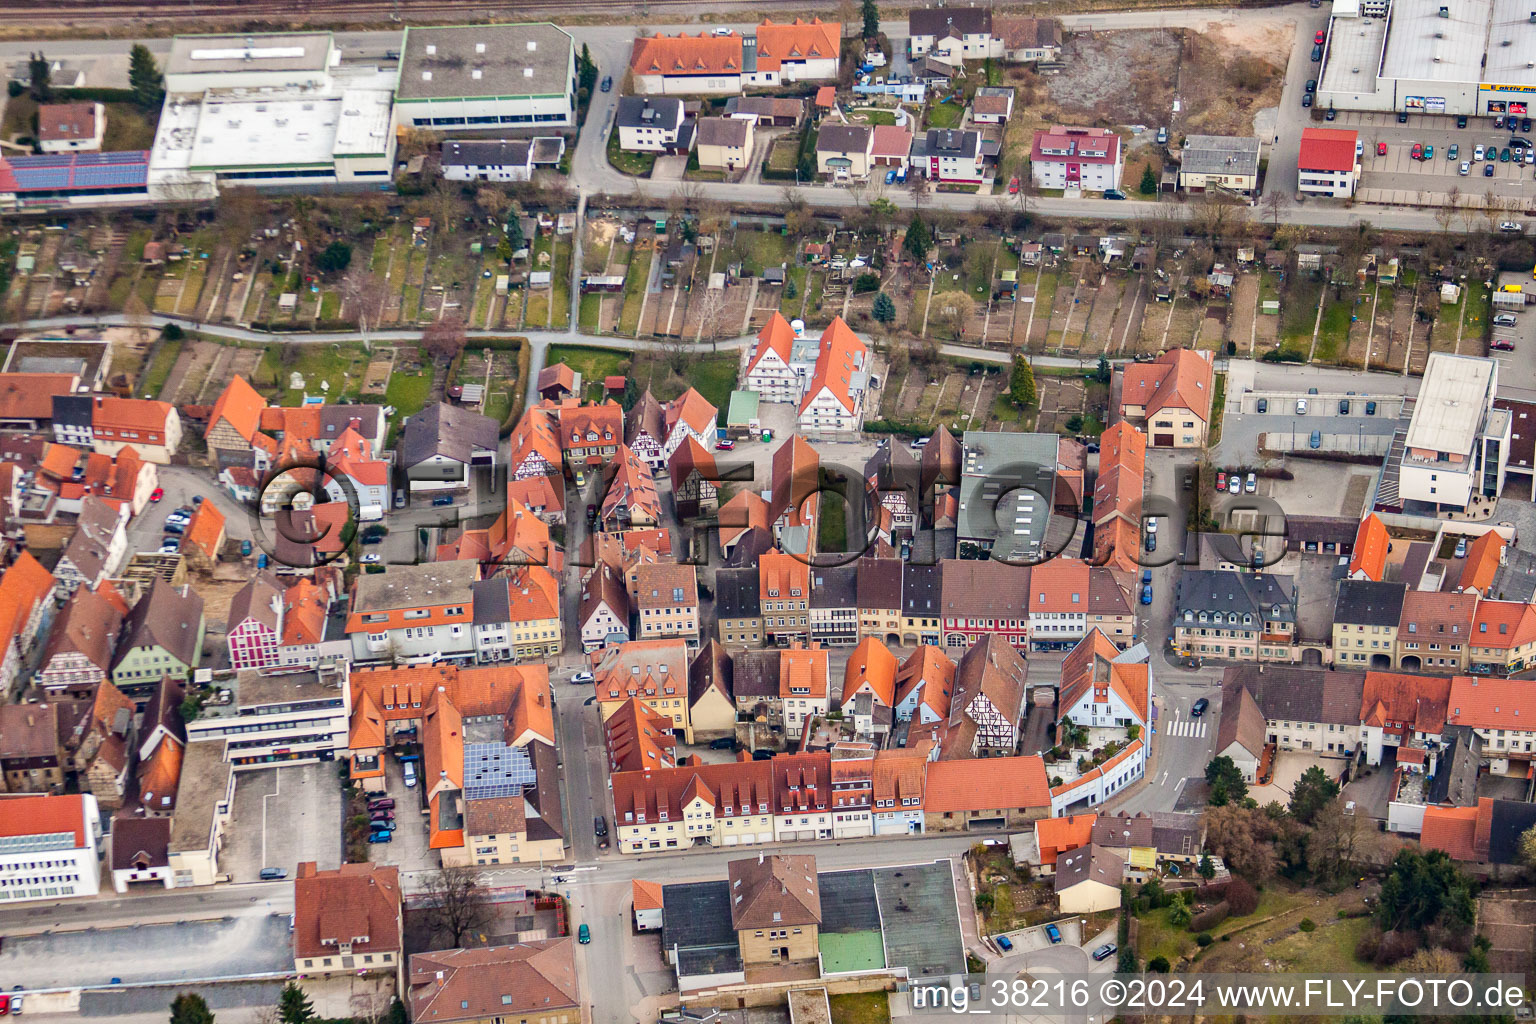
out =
column 1194, row 728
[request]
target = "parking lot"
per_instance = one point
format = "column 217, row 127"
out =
column 1397, row 170
column 1515, row 367
column 284, row 816
column 408, row 849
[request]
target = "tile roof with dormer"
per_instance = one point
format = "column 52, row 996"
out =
column 1177, row 379
column 687, row 55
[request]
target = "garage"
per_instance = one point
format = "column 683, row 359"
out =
column 981, row 823
column 1162, row 440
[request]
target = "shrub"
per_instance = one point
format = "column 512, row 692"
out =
column 1158, row 965
column 1210, row 917
column 1204, row 939
column 1365, row 949
column 1242, row 897
column 172, row 332
column 866, row 282
column 1308, row 925
column 1395, row 946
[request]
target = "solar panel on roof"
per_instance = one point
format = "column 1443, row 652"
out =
column 37, row 178
column 101, row 177
column 495, row 769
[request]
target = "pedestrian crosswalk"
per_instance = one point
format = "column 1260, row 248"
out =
column 1194, row 728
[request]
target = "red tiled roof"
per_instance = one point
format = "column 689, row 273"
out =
column 206, row 530
column 1370, row 552
column 240, row 406
column 703, row 54
column 41, row 815
column 841, row 353
column 29, row 396
column 66, row 122
column 357, row 903
column 871, row 666
column 132, row 414
column 1451, row 829
column 1484, row 702
column 797, row 41
column 1504, row 624
column 776, row 337
column 976, row 784
column 1177, row 379
column 647, row 895
column 1416, row 702
column 1103, row 144
column 1326, row 149
column 1059, row 835
column 1482, row 563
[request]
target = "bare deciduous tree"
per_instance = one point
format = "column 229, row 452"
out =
column 444, row 338
column 364, row 294
column 456, row 905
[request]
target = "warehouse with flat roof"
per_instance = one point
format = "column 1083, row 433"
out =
column 486, row 76
column 1473, row 57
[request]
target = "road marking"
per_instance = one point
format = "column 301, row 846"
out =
column 1192, row 728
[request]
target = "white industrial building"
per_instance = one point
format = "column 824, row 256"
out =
column 268, row 110
column 1473, row 57
column 486, row 76
column 1457, row 444
column 265, row 721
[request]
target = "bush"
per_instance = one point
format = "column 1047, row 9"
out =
column 1308, row 925
column 1242, row 897
column 1210, row 917
column 1395, row 946
column 1365, row 949
column 172, row 332
column 1204, row 939
column 866, row 282
column 1158, row 965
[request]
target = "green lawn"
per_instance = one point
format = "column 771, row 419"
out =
column 586, row 315
column 1218, row 404
column 1333, row 332
column 408, row 393
column 946, row 115
column 762, row 249
column 560, row 291
column 634, row 291
column 873, row 116
column 592, row 363
column 860, row 1008
column 156, row 373
column 330, row 305
column 637, row 164
column 715, row 379
column 791, row 307
column 341, row 365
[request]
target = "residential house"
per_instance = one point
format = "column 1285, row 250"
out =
column 645, row 431
column 78, row 655
column 1076, row 158
column 1435, row 632
column 724, row 143
column 1117, row 498
column 1366, row 614
column 499, row 160
column 1025, row 40
column 152, row 428
column 1503, row 637
column 711, row 705
column 1059, row 600
column 638, row 739
column 1219, row 163
column 234, row 423
column 1054, row 837
column 26, row 613
column 689, row 416
column 414, row 611
column 667, row 603
column 798, row 51
column 925, row 685
column 921, row 597
column 1484, row 557
column 630, row 501
column 834, row 612
column 1492, row 708
column 738, row 606
column 744, row 518
column 734, row 803
column 889, row 147
column 655, row 671
column 949, row 156
column 834, row 398
column 844, row 152
column 645, row 901
column 1487, row 836
column 1170, row 397
column 141, row 852
column 992, row 104
column 312, row 635
column 1103, row 688
column 766, row 364
column 348, row 921
column 979, row 599
column 804, row 692
column 1242, row 615
column 869, row 689
column 705, row 64
column 652, row 125
column 31, row 756
column 879, row 597
column 603, row 612
column 987, row 708
column 205, row 536
column 784, row 594
column 162, row 638
column 985, row 793
column 951, row 34
column 694, row 478
column 1299, row 709
column 590, row 436
column 517, row 615
column 70, row 127
column 1109, row 607
column 775, row 908
column 524, row 980
column 256, row 623
column 1147, row 841
column 1088, row 880
column 97, row 547
column 443, row 444
column 1326, row 162
column 558, row 382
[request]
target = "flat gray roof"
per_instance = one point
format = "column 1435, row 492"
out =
column 462, row 61
column 1221, row 154
column 1452, row 400
column 1423, row 46
column 204, row 781
column 277, row 51
column 1355, row 47
column 919, row 919
column 413, row 586
column 1006, row 485
column 1511, row 44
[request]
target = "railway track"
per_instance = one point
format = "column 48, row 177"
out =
column 319, row 10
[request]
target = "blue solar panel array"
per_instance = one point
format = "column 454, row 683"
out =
column 495, row 769
column 55, row 172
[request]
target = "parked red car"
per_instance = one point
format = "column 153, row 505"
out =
column 725, row 444
column 1381, row 149
column 157, row 494
column 1321, row 35
column 1418, row 151
column 1013, row 187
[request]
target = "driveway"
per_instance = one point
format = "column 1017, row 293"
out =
column 408, row 850
column 282, row 817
